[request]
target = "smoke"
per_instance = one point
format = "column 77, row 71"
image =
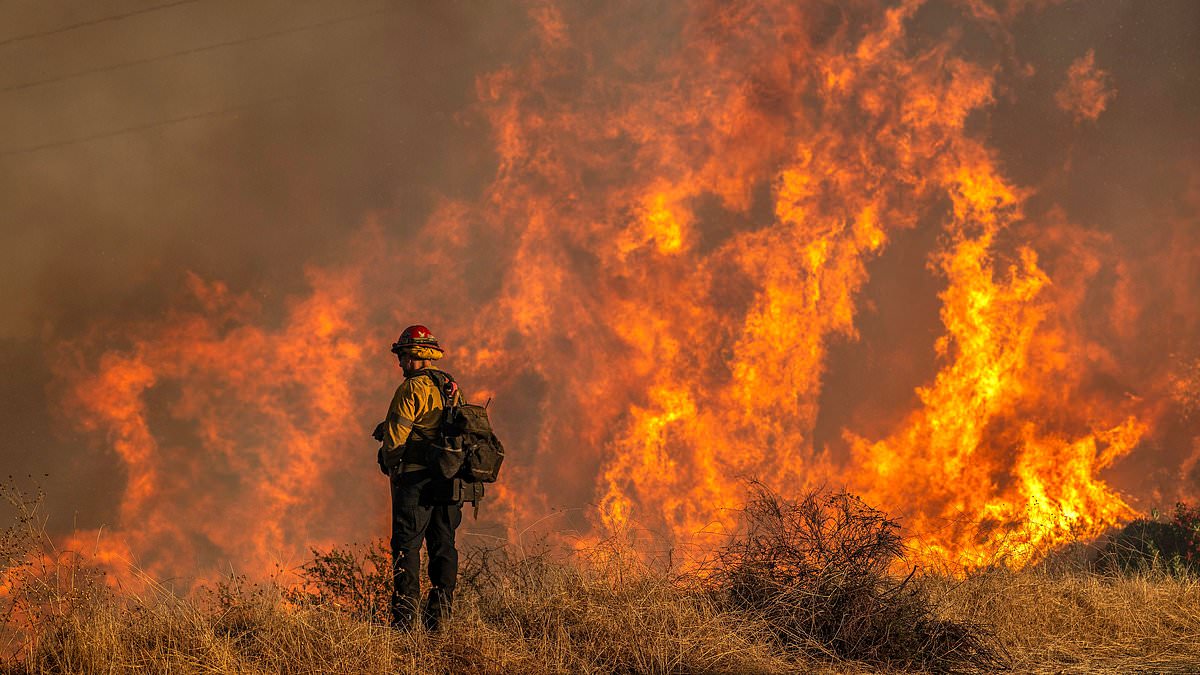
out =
column 1087, row 91
column 240, row 164
column 606, row 213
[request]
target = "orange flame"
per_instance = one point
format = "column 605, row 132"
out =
column 680, row 233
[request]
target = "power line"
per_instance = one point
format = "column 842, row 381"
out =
column 94, row 22
column 185, row 118
column 197, row 50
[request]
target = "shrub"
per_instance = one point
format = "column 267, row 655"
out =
column 355, row 580
column 1187, row 521
column 817, row 572
column 1149, row 545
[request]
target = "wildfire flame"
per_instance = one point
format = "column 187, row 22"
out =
column 681, row 230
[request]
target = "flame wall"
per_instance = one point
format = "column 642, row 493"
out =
column 924, row 250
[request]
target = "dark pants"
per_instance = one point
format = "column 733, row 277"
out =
column 422, row 510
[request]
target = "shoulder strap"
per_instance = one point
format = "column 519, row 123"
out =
column 443, row 381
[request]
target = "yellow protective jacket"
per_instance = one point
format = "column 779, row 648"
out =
column 413, row 415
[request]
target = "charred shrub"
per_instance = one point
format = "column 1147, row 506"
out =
column 818, row 572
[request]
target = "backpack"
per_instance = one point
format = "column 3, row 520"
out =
column 466, row 448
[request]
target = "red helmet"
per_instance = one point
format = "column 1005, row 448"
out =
column 416, row 336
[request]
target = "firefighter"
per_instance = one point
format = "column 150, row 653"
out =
column 423, row 504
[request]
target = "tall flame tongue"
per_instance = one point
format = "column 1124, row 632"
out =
column 684, row 224
column 979, row 452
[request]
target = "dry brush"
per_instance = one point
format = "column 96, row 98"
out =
column 806, row 586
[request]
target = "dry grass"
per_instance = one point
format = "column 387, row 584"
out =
column 1084, row 622
column 534, row 616
column 598, row 611
column 517, row 613
column 605, row 610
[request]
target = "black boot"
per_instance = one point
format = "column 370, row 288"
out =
column 404, row 613
column 436, row 614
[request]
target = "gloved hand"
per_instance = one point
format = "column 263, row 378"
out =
column 383, row 467
column 378, row 433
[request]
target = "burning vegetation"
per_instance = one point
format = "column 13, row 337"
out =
column 772, row 241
